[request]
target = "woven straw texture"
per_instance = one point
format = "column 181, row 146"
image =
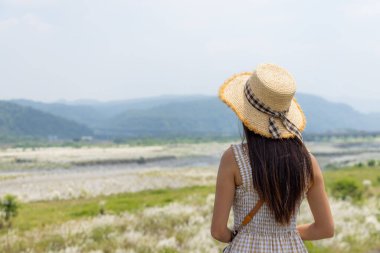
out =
column 275, row 87
column 262, row 233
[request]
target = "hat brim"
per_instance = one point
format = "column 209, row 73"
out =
column 232, row 93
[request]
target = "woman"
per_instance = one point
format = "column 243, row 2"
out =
column 272, row 172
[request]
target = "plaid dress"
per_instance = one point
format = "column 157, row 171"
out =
column 262, row 233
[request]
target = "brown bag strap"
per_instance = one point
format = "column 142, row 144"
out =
column 252, row 213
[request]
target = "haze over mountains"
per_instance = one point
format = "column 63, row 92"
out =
column 163, row 116
column 16, row 120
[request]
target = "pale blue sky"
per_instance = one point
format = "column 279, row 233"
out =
column 105, row 50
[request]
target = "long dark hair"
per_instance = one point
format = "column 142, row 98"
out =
column 281, row 172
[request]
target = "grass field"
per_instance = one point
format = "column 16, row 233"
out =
column 177, row 220
column 41, row 213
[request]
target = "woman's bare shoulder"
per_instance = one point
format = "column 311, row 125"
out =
column 228, row 156
column 317, row 171
column 228, row 162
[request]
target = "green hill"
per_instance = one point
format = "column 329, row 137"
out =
column 325, row 116
column 200, row 117
column 22, row 121
column 207, row 116
column 195, row 116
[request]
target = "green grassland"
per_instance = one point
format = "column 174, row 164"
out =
column 42, row 213
column 356, row 175
column 37, row 215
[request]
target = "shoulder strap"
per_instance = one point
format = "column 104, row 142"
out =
column 250, row 215
column 243, row 165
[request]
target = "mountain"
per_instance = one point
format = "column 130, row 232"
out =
column 95, row 113
column 22, row 121
column 325, row 116
column 87, row 114
column 208, row 116
column 197, row 115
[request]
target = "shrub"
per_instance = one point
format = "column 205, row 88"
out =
column 8, row 207
column 346, row 188
column 371, row 163
column 331, row 166
column 102, row 209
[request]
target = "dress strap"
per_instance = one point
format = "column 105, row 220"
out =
column 243, row 163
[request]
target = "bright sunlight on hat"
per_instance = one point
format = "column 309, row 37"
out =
column 264, row 101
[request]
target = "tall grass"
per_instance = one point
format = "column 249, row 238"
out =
column 178, row 220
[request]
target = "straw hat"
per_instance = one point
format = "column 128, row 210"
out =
column 271, row 87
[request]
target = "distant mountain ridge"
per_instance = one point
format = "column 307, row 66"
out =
column 94, row 113
column 17, row 120
column 197, row 115
column 323, row 116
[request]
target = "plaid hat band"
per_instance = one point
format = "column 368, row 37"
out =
column 273, row 128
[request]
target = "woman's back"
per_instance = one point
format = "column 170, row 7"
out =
column 283, row 168
column 262, row 233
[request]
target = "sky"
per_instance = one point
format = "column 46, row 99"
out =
column 122, row 49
